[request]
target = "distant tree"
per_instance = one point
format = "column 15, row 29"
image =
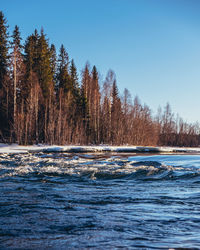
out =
column 167, row 136
column 86, row 99
column 84, row 115
column 158, row 120
column 126, row 115
column 74, row 103
column 95, row 106
column 126, row 100
column 116, row 116
column 106, row 106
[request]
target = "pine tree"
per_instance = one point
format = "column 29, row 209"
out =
column 38, row 60
column 32, row 93
column 86, row 82
column 30, row 56
column 31, row 62
column 63, row 78
column 84, row 113
column 95, row 105
column 3, row 49
column 115, row 115
column 4, row 78
column 43, row 68
column 74, row 81
column 35, row 43
column 85, row 97
column 53, row 61
column 17, row 73
column 16, row 38
column 75, row 105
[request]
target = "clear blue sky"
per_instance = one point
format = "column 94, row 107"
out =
column 152, row 45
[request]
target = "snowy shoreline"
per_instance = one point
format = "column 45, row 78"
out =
column 14, row 148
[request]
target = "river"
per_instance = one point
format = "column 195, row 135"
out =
column 99, row 201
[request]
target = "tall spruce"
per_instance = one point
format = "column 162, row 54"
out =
column 17, row 73
column 53, row 61
column 95, row 106
column 4, row 46
column 4, row 79
column 16, row 42
column 63, row 78
column 43, row 68
column 74, row 81
column 85, row 93
column 32, row 94
column 86, row 80
column 116, row 117
column 31, row 52
column 75, row 105
column 31, row 62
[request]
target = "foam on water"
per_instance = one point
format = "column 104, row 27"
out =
column 101, row 166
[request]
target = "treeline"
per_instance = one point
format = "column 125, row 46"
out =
column 43, row 101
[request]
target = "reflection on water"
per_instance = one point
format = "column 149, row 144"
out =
column 61, row 200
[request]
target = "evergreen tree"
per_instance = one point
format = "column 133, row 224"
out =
column 86, row 80
column 4, row 78
column 94, row 75
column 63, row 78
column 32, row 92
column 30, row 53
column 53, row 60
column 85, row 99
column 43, row 68
column 74, row 80
column 16, row 58
column 75, row 107
column 95, row 106
column 16, row 38
column 17, row 75
column 3, row 49
column 115, row 93
column 35, row 41
column 116, row 117
column 31, row 63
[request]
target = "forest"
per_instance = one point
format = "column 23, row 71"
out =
column 43, row 100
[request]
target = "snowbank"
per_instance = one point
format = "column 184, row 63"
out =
column 14, row 148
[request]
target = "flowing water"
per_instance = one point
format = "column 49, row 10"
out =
column 101, row 201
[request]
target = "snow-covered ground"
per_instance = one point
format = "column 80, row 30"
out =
column 14, row 148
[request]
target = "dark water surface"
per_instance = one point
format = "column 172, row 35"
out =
column 67, row 201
